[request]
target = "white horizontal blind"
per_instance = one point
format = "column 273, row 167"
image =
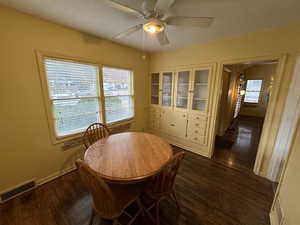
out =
column 253, row 90
column 118, row 92
column 74, row 94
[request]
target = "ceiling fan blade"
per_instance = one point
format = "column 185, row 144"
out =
column 129, row 31
column 163, row 5
column 190, row 21
column 162, row 38
column 148, row 6
column 132, row 7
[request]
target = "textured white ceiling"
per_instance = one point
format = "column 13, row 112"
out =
column 232, row 17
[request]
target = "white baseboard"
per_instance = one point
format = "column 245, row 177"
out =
column 277, row 215
column 38, row 182
column 54, row 175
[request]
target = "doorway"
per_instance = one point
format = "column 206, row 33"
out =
column 246, row 89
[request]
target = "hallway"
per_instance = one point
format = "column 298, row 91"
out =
column 238, row 147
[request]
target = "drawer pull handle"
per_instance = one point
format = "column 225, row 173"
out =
column 172, row 125
column 197, row 118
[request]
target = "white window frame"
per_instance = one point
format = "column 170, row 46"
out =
column 41, row 56
column 260, row 92
column 131, row 95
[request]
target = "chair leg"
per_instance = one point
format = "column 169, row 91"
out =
column 157, row 213
column 140, row 204
column 92, row 218
column 176, row 201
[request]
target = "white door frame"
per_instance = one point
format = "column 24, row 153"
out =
column 265, row 136
column 288, row 124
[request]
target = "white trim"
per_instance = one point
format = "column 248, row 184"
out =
column 287, row 125
column 277, row 218
column 16, row 186
column 38, row 182
column 55, row 175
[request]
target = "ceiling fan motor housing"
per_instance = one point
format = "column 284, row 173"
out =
column 154, row 26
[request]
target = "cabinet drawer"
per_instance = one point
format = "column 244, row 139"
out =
column 154, row 124
column 154, row 116
column 197, row 125
column 197, row 118
column 196, row 131
column 154, row 110
column 182, row 115
column 197, row 139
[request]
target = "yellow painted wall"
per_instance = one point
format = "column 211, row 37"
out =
column 26, row 151
column 265, row 73
column 273, row 42
column 289, row 190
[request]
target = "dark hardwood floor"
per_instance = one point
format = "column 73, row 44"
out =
column 238, row 147
column 209, row 192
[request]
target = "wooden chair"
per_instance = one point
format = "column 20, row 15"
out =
column 161, row 186
column 109, row 200
column 95, row 132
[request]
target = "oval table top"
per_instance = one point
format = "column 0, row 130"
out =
column 128, row 157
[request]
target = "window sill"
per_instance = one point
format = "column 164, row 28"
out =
column 77, row 136
column 246, row 104
column 121, row 122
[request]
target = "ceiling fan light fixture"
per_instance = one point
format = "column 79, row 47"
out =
column 154, row 27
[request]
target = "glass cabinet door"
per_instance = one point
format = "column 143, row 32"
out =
column 155, row 88
column 182, row 89
column 200, row 94
column 167, row 81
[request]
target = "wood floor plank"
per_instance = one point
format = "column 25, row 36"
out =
column 210, row 194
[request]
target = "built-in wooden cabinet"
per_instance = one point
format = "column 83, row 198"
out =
column 167, row 89
column 179, row 109
column 200, row 89
column 182, row 89
column 155, row 87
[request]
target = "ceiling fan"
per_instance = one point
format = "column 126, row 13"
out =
column 153, row 13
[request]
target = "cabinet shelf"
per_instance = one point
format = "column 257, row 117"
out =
column 182, row 97
column 200, row 99
column 201, row 84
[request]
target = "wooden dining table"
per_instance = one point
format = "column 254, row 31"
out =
column 128, row 157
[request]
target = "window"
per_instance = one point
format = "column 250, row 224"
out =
column 118, row 92
column 74, row 95
column 253, row 89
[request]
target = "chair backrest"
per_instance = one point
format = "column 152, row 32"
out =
column 103, row 198
column 95, row 132
column 164, row 181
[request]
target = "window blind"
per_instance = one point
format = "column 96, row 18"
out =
column 118, row 92
column 74, row 94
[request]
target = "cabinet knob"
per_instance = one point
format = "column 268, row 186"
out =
column 197, row 118
column 183, row 116
column 196, row 131
column 197, row 124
